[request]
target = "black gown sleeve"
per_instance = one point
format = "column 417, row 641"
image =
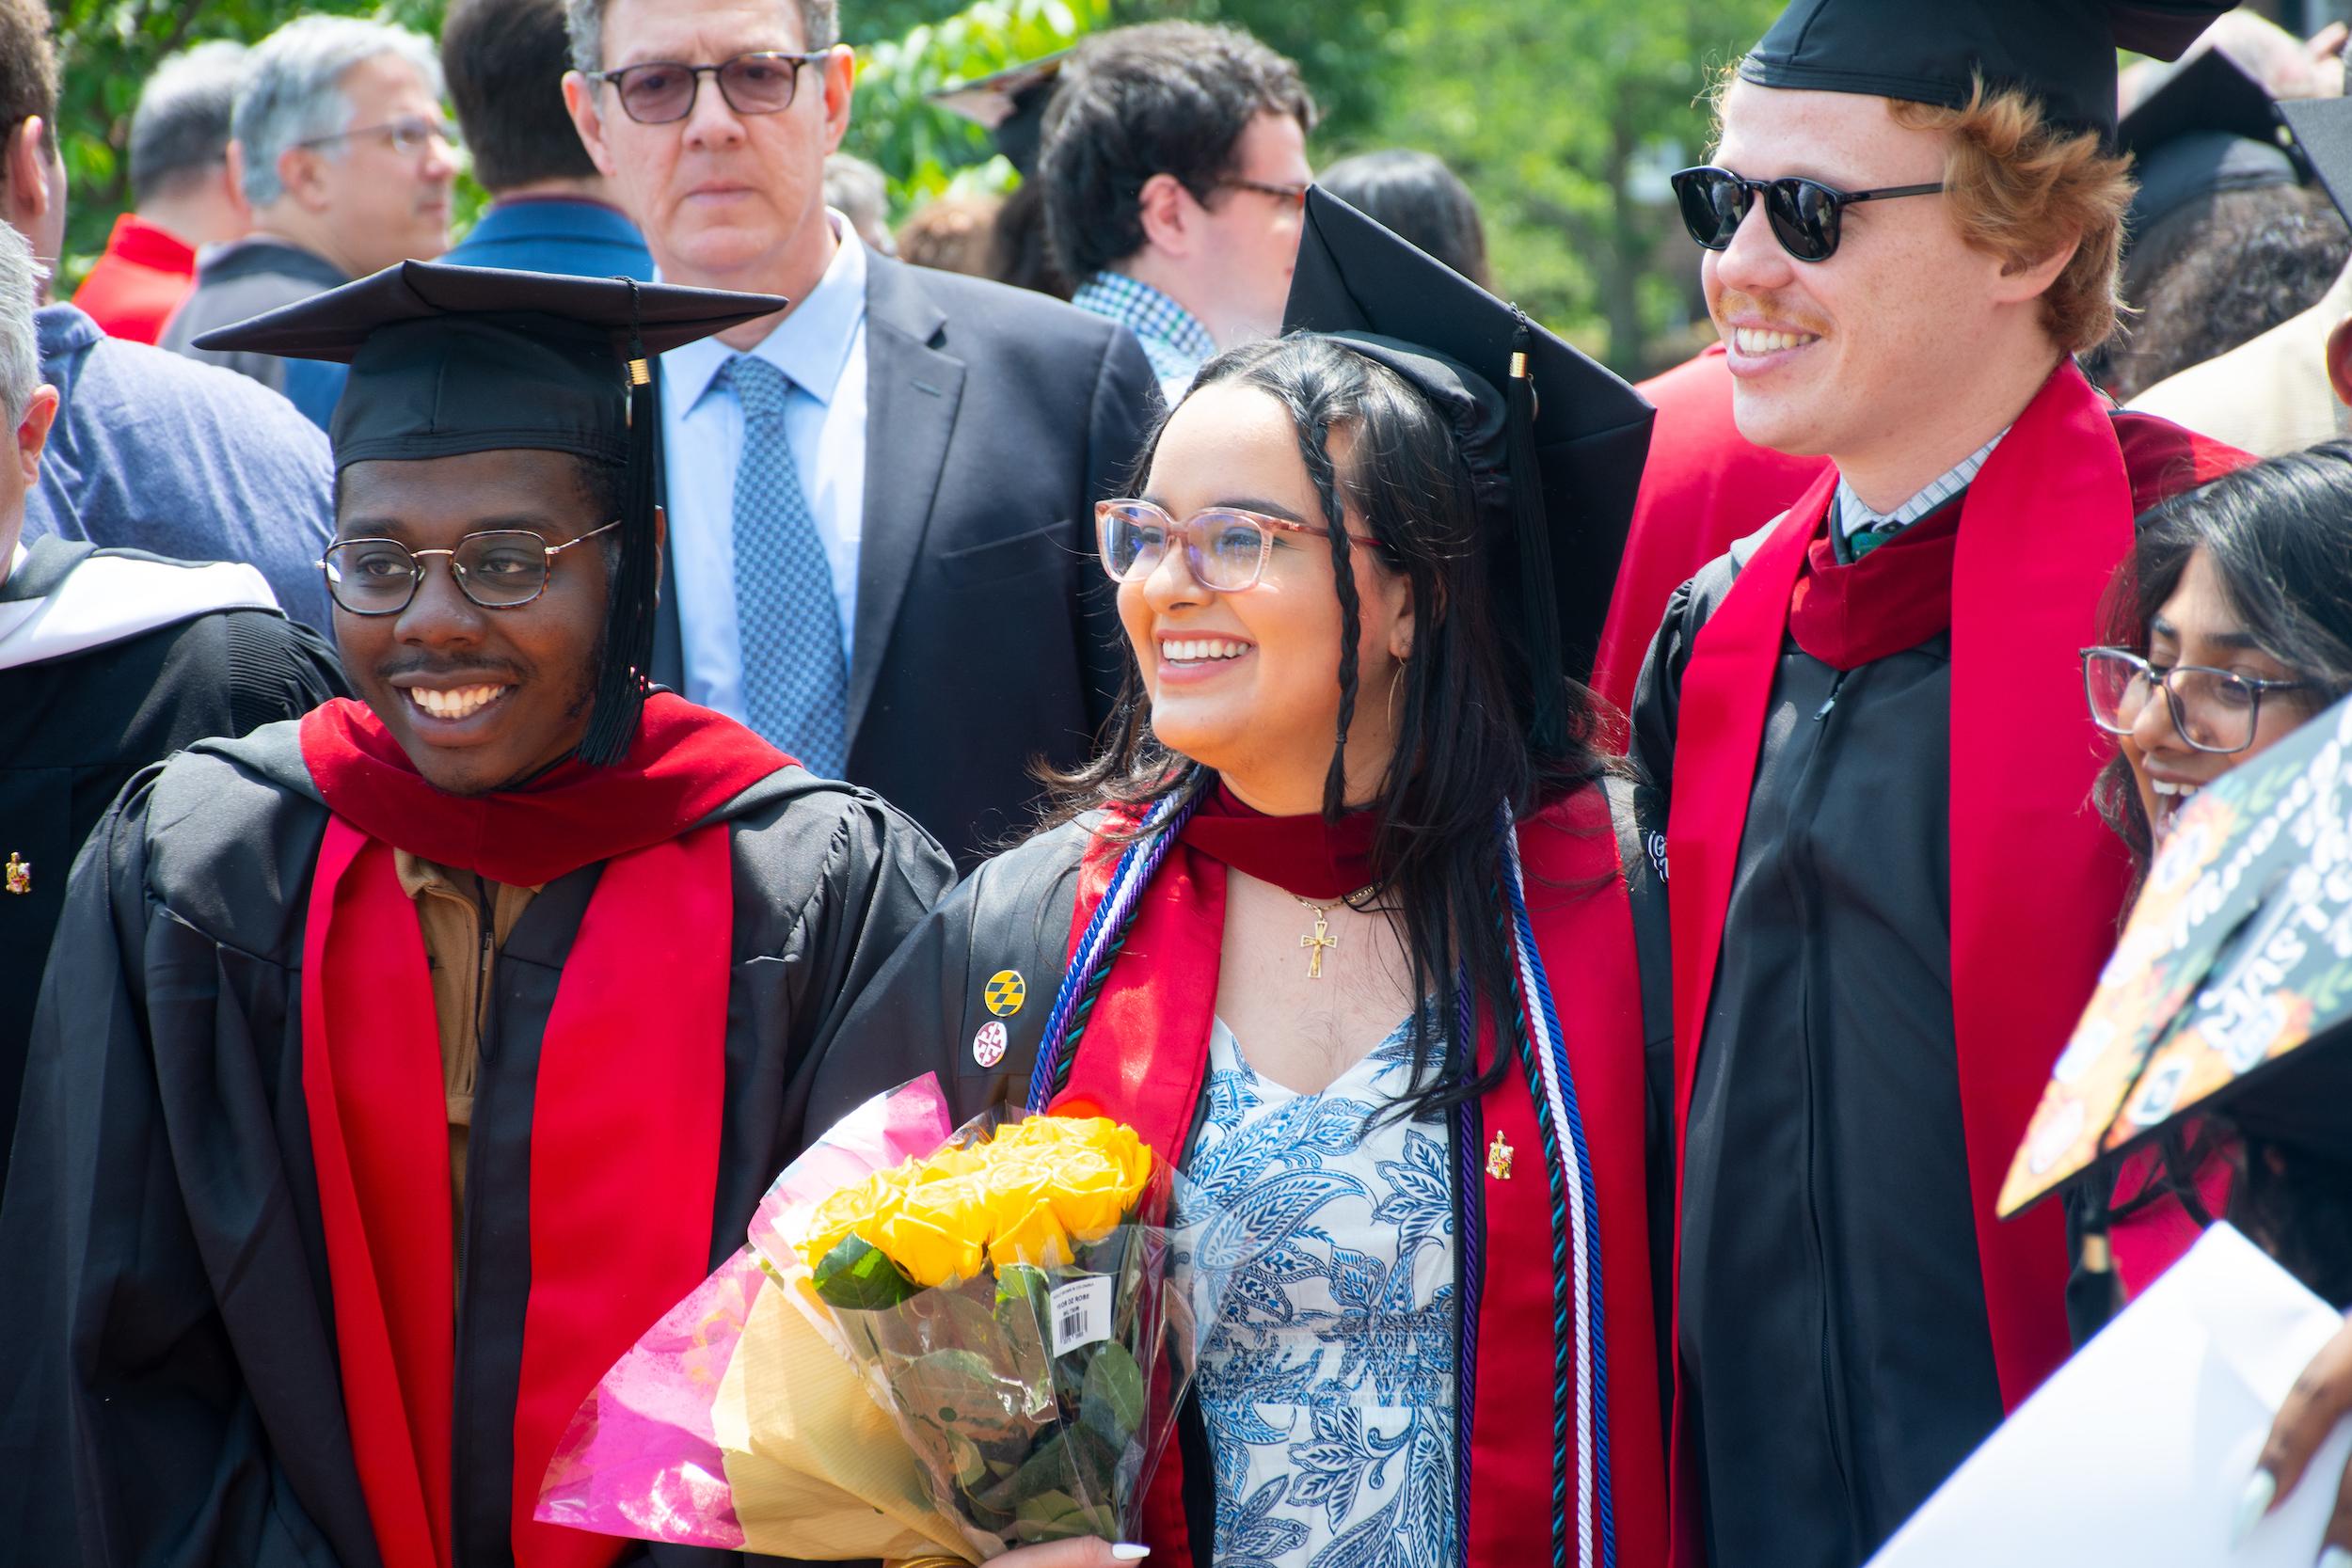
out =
column 1657, row 693
column 882, row 873
column 130, row 1433
column 278, row 668
column 923, row 1011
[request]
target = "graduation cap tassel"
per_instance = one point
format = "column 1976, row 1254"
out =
column 620, row 695
column 1548, row 719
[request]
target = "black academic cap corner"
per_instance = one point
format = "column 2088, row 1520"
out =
column 2210, row 91
column 2062, row 50
column 2321, row 128
column 1010, row 105
column 1591, row 430
column 335, row 324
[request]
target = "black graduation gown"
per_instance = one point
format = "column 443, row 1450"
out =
column 1835, row 1352
column 73, row 729
column 168, row 1387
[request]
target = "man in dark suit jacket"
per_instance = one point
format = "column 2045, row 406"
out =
column 880, row 500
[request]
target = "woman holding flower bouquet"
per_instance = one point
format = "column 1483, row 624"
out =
column 1342, row 924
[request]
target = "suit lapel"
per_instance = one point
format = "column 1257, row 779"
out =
column 912, row 390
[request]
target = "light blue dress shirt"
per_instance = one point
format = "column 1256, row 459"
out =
column 821, row 347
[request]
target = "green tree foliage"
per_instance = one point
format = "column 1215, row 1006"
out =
column 1350, row 51
column 1562, row 115
column 922, row 149
column 1565, row 118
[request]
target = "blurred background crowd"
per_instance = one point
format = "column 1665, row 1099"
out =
column 1561, row 120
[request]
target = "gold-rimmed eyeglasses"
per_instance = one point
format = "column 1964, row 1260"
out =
column 501, row 569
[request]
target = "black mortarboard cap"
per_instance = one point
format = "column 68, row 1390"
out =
column 1009, row 106
column 2321, row 128
column 2208, row 92
column 446, row 360
column 1554, row 440
column 2207, row 127
column 2061, row 52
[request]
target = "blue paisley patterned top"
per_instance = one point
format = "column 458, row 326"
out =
column 1327, row 1382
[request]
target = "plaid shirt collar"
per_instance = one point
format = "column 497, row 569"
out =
column 1172, row 335
column 1853, row 517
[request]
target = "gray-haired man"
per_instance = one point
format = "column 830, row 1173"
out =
column 185, row 196
column 342, row 150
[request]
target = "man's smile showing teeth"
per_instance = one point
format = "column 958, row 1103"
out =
column 460, row 703
column 1751, row 339
column 1200, row 650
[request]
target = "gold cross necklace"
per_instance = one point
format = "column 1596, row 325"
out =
column 1321, row 937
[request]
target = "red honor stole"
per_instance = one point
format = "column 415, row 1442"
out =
column 2043, row 526
column 625, row 1115
column 1144, row 1059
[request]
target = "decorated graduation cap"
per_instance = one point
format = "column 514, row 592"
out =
column 1009, row 106
column 1554, row 441
column 2061, row 52
column 447, row 361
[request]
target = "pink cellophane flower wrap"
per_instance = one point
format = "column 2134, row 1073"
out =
column 642, row 1458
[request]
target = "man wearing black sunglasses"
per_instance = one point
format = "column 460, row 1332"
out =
column 1890, row 900
column 898, row 472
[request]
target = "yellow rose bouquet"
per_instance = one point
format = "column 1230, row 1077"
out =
column 1002, row 1293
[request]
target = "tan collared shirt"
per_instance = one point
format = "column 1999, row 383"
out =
column 461, row 956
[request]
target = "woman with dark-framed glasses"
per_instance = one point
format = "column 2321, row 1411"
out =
column 1343, row 919
column 2232, row 627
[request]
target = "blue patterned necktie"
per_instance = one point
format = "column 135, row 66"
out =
column 795, row 681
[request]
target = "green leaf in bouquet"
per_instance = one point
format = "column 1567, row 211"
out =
column 1115, row 1399
column 1057, row 1516
column 1024, row 1295
column 860, row 1278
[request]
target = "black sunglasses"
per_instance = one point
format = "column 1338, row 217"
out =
column 1803, row 213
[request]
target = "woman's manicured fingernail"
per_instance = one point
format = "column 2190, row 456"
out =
column 2335, row 1556
column 2252, row 1504
column 1127, row 1551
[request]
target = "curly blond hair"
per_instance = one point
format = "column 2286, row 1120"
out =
column 2019, row 187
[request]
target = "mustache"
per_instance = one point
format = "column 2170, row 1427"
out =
column 495, row 672
column 1778, row 308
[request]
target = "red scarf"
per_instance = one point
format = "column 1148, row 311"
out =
column 625, row 1115
column 2039, row 534
column 1144, row 1058
column 1304, row 856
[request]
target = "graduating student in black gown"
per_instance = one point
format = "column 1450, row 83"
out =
column 1890, row 896
column 388, row 1049
column 109, row 661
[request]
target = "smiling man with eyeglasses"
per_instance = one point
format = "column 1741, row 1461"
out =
column 342, row 150
column 1890, row 897
column 881, row 500
column 406, row 1059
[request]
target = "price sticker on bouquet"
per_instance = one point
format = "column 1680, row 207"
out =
column 1082, row 1313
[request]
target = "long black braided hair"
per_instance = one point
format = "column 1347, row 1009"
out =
column 1462, row 729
